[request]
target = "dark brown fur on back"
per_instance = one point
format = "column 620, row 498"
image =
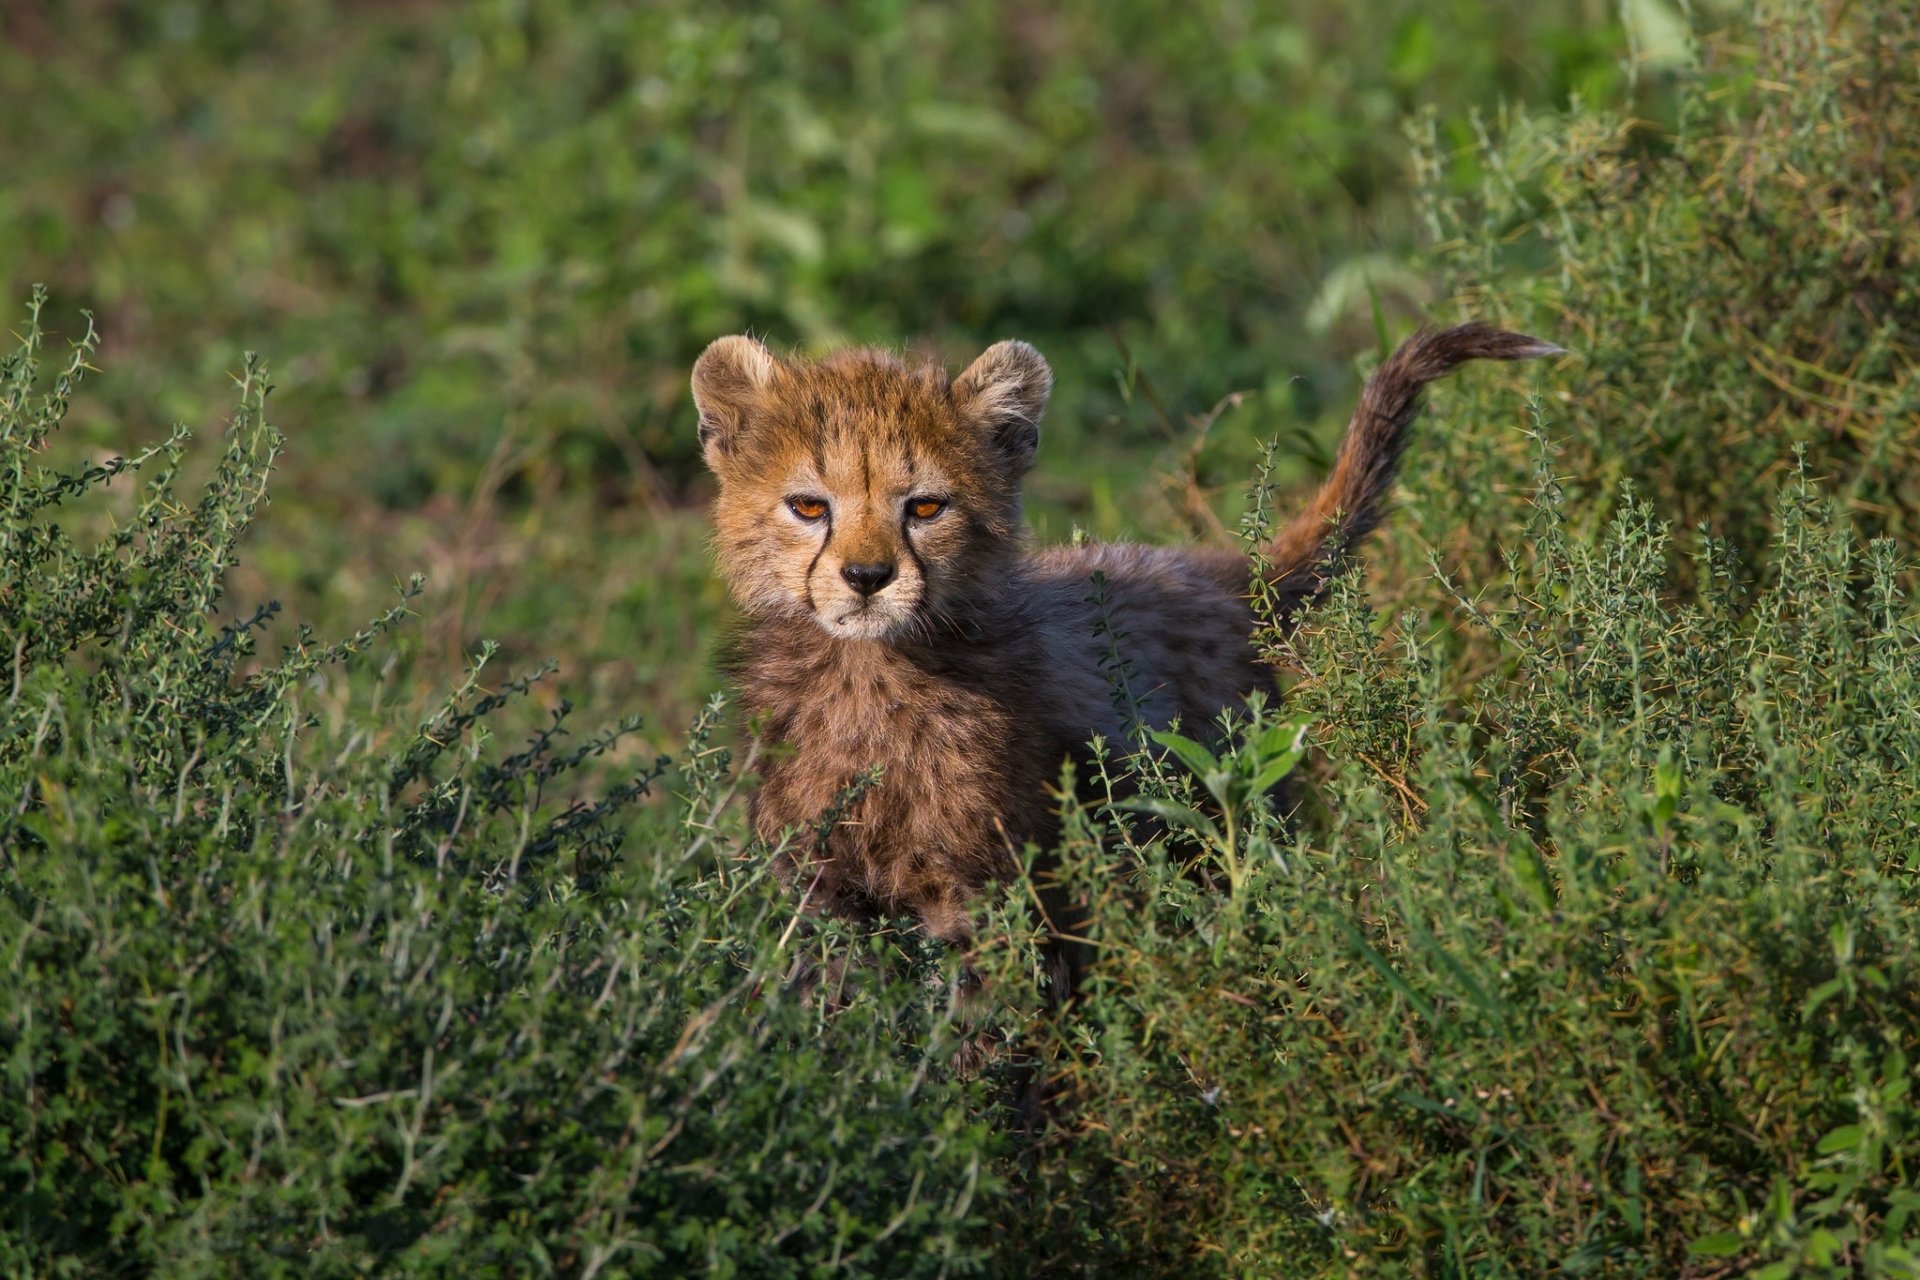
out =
column 869, row 524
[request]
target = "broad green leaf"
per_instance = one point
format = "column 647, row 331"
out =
column 1721, row 1244
column 1845, row 1138
column 1191, row 753
column 1275, row 769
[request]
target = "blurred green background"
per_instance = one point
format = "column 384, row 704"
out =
column 1593, row 950
column 481, row 245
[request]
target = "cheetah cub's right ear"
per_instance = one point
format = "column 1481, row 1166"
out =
column 728, row 379
column 1006, row 391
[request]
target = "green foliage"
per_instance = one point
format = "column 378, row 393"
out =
column 488, row 240
column 1743, row 287
column 1608, row 961
column 279, row 1003
column 1595, row 949
column 562, row 201
column 1591, row 948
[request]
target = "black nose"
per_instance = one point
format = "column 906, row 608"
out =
column 867, row 578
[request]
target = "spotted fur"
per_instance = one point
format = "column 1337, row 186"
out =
column 975, row 665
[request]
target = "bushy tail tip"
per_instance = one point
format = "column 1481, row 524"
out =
column 1433, row 352
column 1306, row 554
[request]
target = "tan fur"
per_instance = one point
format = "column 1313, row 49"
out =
column 977, row 667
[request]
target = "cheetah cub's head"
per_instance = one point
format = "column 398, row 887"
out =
column 869, row 496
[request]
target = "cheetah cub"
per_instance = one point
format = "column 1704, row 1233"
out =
column 869, row 525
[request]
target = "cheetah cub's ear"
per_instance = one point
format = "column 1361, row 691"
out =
column 1005, row 390
column 728, row 379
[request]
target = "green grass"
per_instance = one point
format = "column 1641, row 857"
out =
column 334, row 949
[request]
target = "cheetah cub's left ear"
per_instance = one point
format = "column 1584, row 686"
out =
column 1006, row 391
column 728, row 380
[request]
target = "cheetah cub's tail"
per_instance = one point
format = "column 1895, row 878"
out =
column 1307, row 555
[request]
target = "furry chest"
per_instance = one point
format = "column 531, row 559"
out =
column 958, row 787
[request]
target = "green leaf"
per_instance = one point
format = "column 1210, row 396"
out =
column 1379, row 962
column 1845, row 1138
column 1842, row 938
column 1662, row 38
column 1174, row 814
column 1530, row 870
column 1821, row 994
column 1822, row 1245
column 1275, row 769
column 1283, row 735
column 1191, row 753
column 1721, row 1244
column 1667, row 776
column 1411, row 56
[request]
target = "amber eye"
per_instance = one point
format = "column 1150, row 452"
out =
column 925, row 508
column 807, row 508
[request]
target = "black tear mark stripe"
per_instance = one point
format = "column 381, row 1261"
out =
column 811, row 606
column 906, row 540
